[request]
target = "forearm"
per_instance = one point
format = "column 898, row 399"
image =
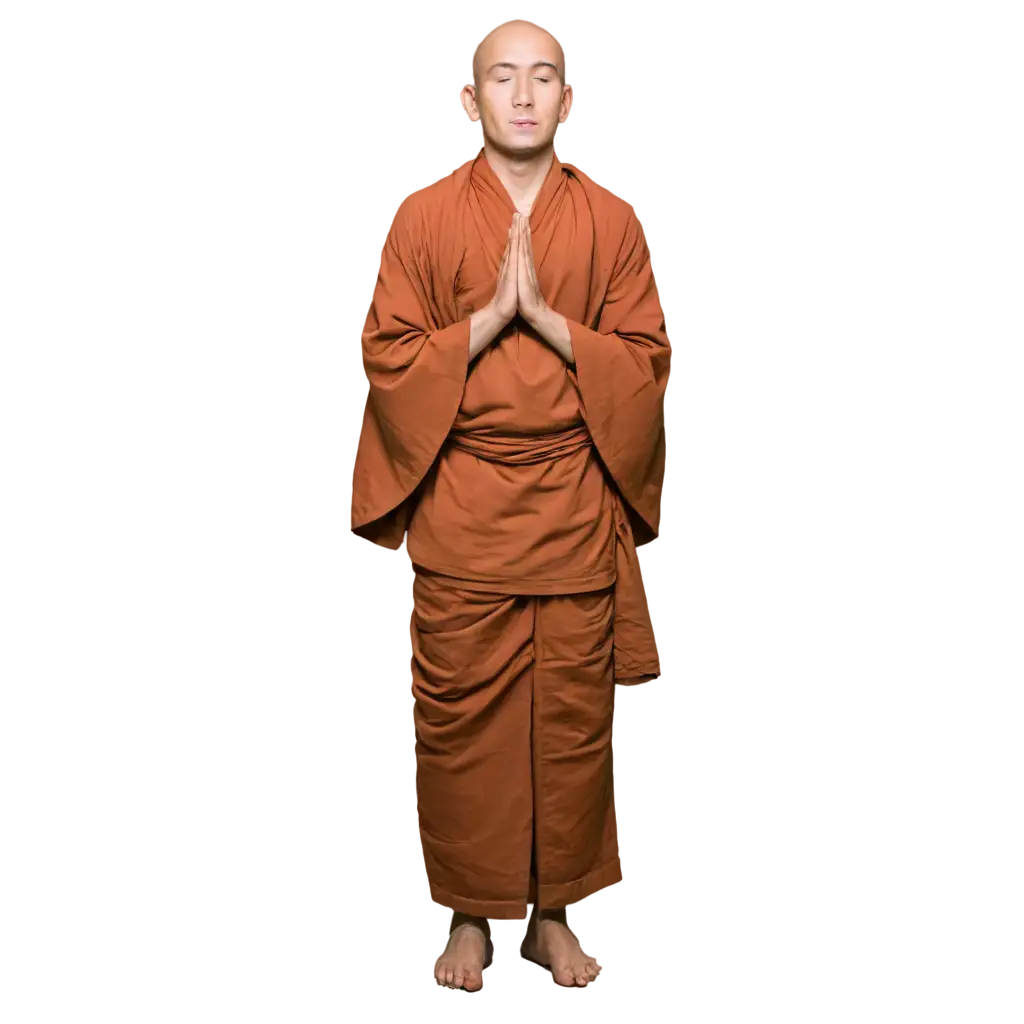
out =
column 552, row 327
column 484, row 326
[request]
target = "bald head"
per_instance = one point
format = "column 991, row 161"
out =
column 514, row 35
column 518, row 93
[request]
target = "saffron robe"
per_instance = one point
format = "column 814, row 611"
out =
column 524, row 484
column 515, row 696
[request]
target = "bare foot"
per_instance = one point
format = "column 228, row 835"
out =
column 468, row 952
column 551, row 943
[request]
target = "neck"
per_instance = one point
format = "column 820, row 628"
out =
column 522, row 175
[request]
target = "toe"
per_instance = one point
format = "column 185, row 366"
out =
column 565, row 977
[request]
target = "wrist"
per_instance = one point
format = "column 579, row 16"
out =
column 485, row 325
column 487, row 317
column 554, row 329
column 549, row 323
column 540, row 319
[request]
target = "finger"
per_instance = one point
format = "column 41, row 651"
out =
column 513, row 266
column 527, row 256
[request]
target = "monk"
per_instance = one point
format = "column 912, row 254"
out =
column 517, row 360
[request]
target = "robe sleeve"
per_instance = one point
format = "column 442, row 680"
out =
column 621, row 373
column 417, row 369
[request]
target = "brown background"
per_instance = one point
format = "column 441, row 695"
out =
column 202, row 747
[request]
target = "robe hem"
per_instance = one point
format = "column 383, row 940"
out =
column 561, row 894
column 637, row 678
column 550, row 897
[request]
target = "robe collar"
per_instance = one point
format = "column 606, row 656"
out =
column 483, row 176
column 493, row 208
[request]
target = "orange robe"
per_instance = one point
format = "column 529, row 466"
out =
column 521, row 480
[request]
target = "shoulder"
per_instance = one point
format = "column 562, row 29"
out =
column 422, row 211
column 414, row 216
column 611, row 212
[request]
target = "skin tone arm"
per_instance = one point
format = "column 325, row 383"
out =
column 484, row 326
column 518, row 290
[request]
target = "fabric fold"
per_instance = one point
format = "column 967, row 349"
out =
column 518, row 470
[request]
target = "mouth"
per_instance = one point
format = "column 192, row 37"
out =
column 524, row 122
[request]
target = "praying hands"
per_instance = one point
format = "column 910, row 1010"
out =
column 518, row 290
column 550, row 325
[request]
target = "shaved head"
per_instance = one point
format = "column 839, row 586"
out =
column 518, row 94
column 513, row 23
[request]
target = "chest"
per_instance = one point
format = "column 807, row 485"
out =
column 563, row 251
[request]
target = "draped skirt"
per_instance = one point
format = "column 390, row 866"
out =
column 514, row 697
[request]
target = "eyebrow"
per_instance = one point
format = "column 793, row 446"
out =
column 538, row 64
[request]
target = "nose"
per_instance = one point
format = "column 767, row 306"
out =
column 523, row 96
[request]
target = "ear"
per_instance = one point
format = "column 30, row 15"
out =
column 468, row 98
column 566, row 105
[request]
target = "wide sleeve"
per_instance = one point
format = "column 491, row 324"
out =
column 621, row 372
column 416, row 367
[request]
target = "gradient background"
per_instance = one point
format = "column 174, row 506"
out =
column 203, row 752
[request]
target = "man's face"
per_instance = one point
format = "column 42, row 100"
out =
column 519, row 98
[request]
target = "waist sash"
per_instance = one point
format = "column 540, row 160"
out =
column 635, row 649
column 523, row 449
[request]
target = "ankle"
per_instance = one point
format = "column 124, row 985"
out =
column 459, row 918
column 553, row 914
